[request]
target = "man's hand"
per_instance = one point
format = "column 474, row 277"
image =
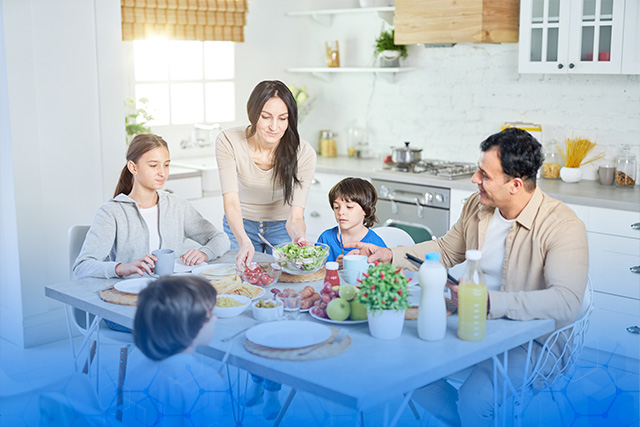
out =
column 374, row 253
column 454, row 292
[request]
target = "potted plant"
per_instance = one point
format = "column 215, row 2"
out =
column 389, row 52
column 136, row 119
column 576, row 151
column 384, row 291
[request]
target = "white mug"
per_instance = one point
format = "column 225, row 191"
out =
column 354, row 266
column 165, row 263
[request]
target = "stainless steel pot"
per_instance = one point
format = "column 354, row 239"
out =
column 406, row 155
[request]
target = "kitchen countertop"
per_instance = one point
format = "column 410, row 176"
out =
column 587, row 193
column 178, row 172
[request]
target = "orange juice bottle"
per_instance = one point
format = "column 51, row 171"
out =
column 472, row 300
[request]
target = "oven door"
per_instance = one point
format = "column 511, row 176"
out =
column 421, row 222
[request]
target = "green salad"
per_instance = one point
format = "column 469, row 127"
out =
column 305, row 259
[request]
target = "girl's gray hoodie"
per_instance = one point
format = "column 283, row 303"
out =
column 119, row 234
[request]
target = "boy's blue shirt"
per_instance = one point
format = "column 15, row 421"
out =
column 330, row 237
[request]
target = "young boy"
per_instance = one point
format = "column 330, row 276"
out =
column 354, row 205
column 170, row 386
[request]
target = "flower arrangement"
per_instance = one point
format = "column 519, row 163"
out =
column 136, row 119
column 384, row 287
column 303, row 101
column 576, row 150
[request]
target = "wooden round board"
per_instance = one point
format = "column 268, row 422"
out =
column 114, row 296
column 302, row 278
column 322, row 352
column 412, row 312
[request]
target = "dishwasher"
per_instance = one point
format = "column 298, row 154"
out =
column 420, row 210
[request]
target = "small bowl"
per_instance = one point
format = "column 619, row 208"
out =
column 302, row 265
column 267, row 314
column 226, row 312
column 263, row 274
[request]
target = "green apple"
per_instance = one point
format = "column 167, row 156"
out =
column 347, row 292
column 338, row 309
column 358, row 311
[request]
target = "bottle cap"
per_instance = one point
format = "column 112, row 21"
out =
column 332, row 265
column 432, row 256
column 473, row 254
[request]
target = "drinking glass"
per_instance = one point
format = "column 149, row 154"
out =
column 291, row 304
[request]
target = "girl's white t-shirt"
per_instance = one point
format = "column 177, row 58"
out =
column 493, row 250
column 150, row 216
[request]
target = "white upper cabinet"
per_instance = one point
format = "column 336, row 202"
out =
column 579, row 36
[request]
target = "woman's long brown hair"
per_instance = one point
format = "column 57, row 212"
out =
column 141, row 144
column 285, row 161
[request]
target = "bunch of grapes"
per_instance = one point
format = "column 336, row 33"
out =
column 327, row 294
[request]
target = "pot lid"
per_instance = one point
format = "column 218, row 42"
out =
column 407, row 148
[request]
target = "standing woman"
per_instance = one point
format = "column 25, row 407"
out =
column 265, row 173
column 140, row 219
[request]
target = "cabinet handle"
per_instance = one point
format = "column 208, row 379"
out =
column 315, row 182
column 636, row 226
column 635, row 269
column 633, row 330
column 314, row 214
column 560, row 66
column 571, row 65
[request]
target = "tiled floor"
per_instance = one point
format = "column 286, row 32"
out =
column 593, row 396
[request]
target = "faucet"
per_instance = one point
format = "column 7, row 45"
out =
column 198, row 137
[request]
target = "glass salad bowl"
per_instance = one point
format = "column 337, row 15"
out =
column 299, row 259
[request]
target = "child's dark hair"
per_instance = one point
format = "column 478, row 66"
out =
column 360, row 191
column 171, row 311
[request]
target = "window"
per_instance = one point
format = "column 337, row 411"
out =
column 186, row 82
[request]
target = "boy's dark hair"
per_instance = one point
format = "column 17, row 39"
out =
column 171, row 311
column 519, row 152
column 360, row 191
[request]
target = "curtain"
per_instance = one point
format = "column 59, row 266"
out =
column 201, row 20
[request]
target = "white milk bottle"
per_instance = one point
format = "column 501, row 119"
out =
column 432, row 313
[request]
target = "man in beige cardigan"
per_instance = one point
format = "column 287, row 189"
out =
column 535, row 260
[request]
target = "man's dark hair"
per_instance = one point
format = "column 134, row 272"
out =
column 171, row 311
column 519, row 152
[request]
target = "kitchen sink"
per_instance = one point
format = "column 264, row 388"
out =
column 208, row 168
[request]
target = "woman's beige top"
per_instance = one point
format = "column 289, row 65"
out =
column 238, row 173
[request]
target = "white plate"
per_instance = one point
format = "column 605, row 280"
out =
column 181, row 268
column 288, row 334
column 338, row 322
column 413, row 275
column 133, row 286
column 215, row 271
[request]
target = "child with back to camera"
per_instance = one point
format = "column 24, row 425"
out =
column 353, row 201
column 170, row 386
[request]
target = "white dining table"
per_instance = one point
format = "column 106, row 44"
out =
column 370, row 373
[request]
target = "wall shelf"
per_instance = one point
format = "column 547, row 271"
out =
column 325, row 17
column 326, row 73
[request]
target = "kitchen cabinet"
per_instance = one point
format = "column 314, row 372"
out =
column 457, row 199
column 318, row 215
column 579, row 36
column 461, row 21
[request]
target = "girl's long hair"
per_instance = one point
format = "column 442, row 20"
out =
column 285, row 162
column 141, row 144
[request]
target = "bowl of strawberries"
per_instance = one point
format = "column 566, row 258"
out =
column 262, row 274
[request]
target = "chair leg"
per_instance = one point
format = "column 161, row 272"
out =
column 89, row 361
column 122, row 372
column 414, row 410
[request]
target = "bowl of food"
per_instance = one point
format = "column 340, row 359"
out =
column 298, row 258
column 267, row 310
column 261, row 273
column 230, row 305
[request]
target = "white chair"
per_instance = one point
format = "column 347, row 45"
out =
column 89, row 324
column 393, row 236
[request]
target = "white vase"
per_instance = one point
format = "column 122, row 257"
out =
column 389, row 58
column 570, row 174
column 386, row 324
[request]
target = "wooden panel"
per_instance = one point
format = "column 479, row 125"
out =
column 456, row 21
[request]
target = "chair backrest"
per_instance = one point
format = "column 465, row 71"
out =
column 77, row 233
column 393, row 236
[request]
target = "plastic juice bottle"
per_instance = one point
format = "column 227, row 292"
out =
column 472, row 300
column 432, row 313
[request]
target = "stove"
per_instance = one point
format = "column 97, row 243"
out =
column 440, row 168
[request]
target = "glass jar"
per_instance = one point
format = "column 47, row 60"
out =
column 327, row 145
column 626, row 168
column 552, row 161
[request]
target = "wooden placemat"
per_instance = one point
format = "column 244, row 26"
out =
column 412, row 312
column 302, row 278
column 114, row 296
column 322, row 352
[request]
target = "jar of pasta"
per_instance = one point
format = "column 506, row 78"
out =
column 552, row 161
column 625, row 168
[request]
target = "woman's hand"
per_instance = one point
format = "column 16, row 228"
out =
column 245, row 255
column 374, row 253
column 194, row 257
column 140, row 266
column 302, row 241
